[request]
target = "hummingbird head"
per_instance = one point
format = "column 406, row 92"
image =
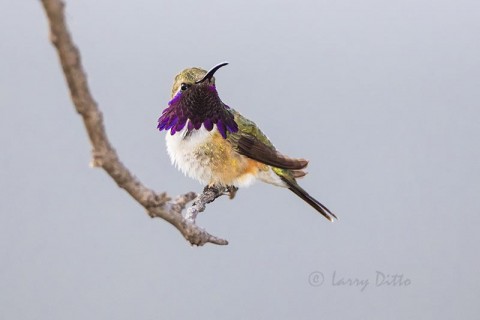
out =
column 195, row 102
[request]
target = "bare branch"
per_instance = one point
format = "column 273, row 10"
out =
column 210, row 193
column 104, row 155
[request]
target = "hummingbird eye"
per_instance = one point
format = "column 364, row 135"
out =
column 184, row 86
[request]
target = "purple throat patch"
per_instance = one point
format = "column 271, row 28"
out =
column 178, row 115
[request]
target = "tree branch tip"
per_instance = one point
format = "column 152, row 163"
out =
column 204, row 238
column 190, row 196
column 220, row 242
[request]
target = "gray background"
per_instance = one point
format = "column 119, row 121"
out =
column 381, row 96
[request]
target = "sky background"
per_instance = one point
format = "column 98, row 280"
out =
column 383, row 98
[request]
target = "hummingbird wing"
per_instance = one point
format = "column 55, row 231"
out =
column 255, row 149
column 251, row 142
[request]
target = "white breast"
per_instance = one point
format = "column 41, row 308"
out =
column 187, row 153
column 183, row 152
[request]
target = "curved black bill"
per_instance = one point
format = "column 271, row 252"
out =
column 210, row 73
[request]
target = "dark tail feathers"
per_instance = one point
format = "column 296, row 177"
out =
column 299, row 191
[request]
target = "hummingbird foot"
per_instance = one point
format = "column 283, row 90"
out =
column 231, row 191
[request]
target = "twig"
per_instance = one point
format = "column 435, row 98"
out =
column 158, row 205
column 210, row 193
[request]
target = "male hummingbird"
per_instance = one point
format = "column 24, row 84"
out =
column 213, row 143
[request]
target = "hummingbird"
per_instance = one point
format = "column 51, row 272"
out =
column 214, row 144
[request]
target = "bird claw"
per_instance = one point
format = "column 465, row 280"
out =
column 231, row 191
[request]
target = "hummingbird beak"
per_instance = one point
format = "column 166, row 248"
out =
column 210, row 73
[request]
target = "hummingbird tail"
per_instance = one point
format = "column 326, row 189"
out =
column 299, row 191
